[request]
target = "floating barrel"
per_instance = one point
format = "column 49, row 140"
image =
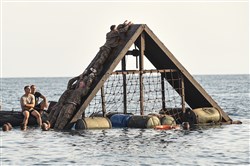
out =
column 109, row 114
column 206, row 115
column 93, row 123
column 138, row 121
column 168, row 120
column 120, row 120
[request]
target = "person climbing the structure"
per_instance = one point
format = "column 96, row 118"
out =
column 78, row 87
column 72, row 103
column 67, row 104
column 113, row 39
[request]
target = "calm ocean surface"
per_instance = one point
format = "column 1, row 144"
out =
column 217, row 145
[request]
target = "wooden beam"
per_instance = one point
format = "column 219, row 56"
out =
column 144, row 71
column 163, row 92
column 103, row 102
column 185, row 73
column 141, row 74
column 182, row 86
column 124, row 85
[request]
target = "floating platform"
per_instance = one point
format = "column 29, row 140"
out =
column 15, row 118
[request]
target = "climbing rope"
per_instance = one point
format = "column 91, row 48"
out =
column 152, row 91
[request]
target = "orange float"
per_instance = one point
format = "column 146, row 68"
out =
column 166, row 127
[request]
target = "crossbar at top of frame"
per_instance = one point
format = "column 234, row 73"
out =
column 144, row 71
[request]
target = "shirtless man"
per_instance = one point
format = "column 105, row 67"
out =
column 27, row 102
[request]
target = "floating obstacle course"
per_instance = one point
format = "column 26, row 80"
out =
column 168, row 89
column 175, row 91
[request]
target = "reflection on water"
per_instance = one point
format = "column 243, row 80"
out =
column 125, row 146
column 206, row 145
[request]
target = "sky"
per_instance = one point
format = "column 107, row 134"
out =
column 42, row 38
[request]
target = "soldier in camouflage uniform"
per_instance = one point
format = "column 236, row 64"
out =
column 71, row 99
column 71, row 104
column 112, row 40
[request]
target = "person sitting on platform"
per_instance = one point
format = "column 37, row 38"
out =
column 27, row 102
column 43, row 104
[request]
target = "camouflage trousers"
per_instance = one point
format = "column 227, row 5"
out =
column 102, row 55
column 65, row 115
column 56, row 109
column 66, row 107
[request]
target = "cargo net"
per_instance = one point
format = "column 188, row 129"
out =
column 154, row 88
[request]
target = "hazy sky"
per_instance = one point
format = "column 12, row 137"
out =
column 60, row 38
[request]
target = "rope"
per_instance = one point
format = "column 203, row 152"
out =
column 152, row 88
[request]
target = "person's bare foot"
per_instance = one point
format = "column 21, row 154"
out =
column 23, row 127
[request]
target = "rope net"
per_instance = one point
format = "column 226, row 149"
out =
column 159, row 94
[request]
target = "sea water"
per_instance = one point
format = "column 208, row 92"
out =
column 214, row 145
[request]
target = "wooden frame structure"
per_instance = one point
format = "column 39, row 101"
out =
column 161, row 58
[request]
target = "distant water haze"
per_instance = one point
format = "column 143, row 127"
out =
column 59, row 39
